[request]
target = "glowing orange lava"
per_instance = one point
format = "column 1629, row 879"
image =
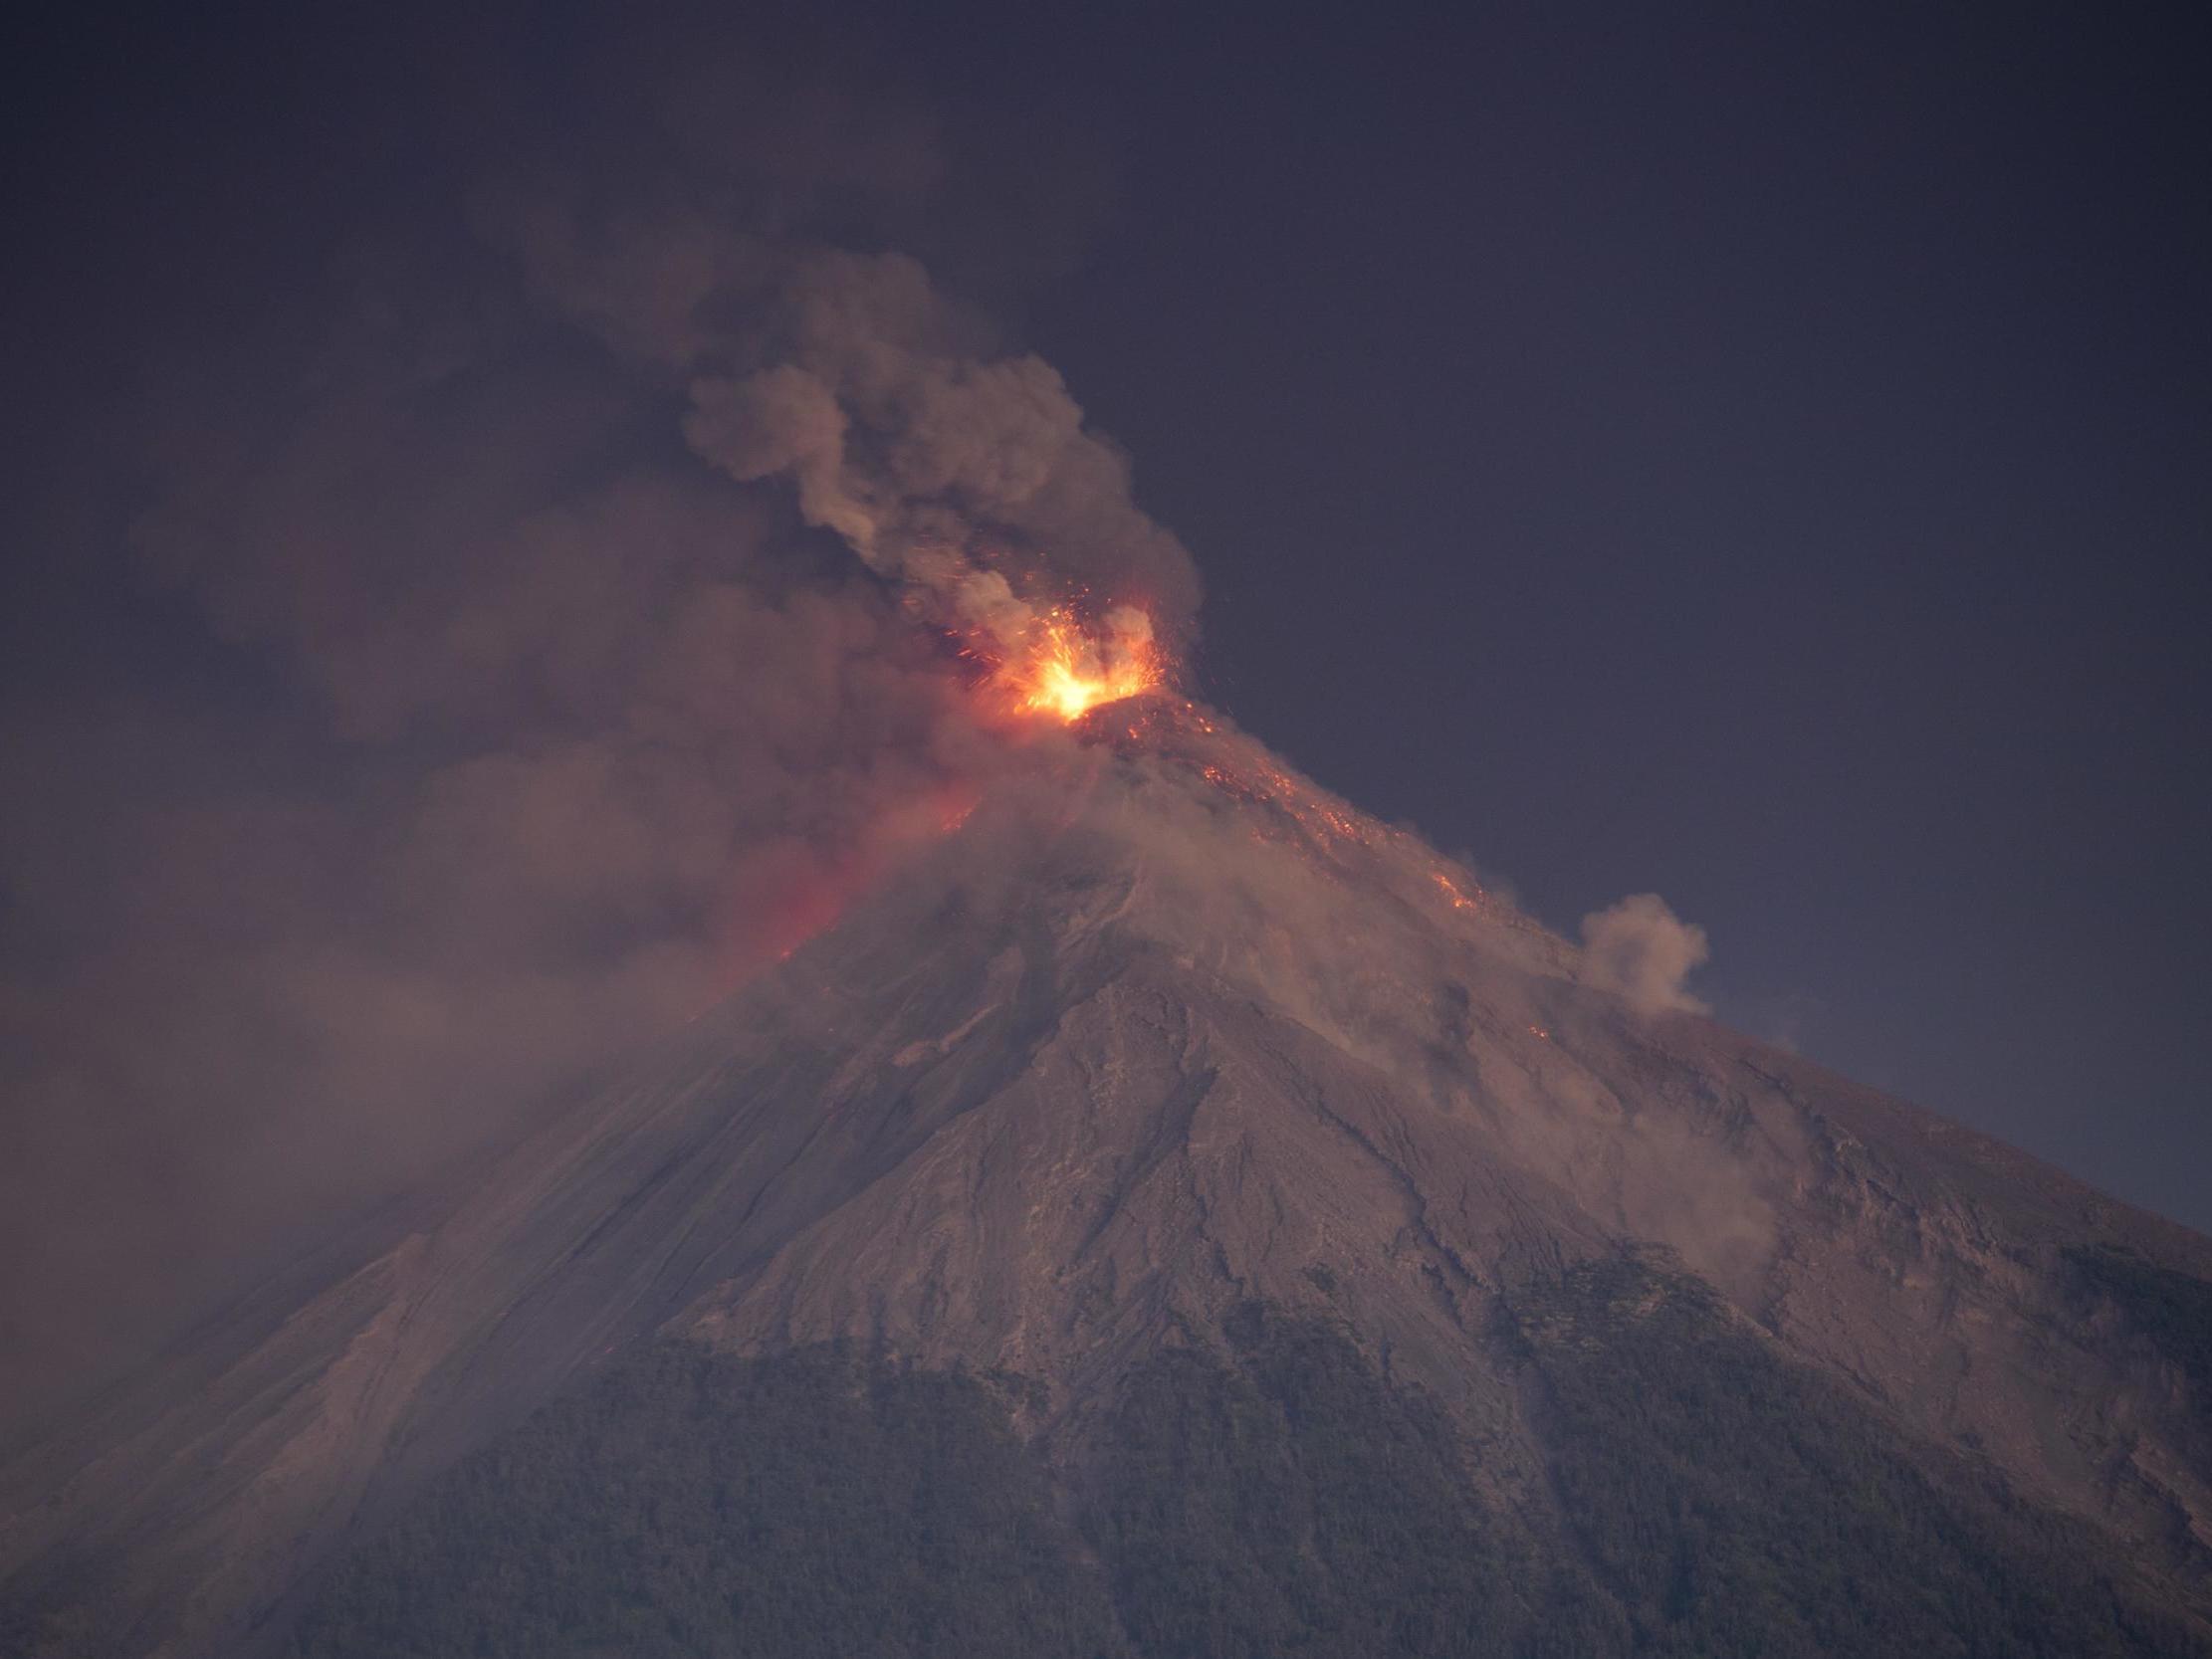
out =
column 1065, row 669
column 1459, row 901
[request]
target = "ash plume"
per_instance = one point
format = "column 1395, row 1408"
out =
column 534, row 694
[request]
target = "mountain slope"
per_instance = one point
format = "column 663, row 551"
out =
column 1159, row 1036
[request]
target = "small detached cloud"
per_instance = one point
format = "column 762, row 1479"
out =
column 1641, row 951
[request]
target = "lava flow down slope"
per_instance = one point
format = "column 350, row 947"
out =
column 1174, row 1213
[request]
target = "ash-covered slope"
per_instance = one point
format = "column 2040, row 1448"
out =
column 1165, row 1058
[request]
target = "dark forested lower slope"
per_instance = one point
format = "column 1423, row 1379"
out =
column 1732, row 1502
column 690, row 1503
column 1265, row 1492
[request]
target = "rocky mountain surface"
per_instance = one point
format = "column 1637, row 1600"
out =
column 1222, row 1228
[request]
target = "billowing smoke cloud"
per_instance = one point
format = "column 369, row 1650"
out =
column 933, row 468
column 1641, row 950
column 511, row 689
column 959, row 472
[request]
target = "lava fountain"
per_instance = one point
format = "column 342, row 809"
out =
column 1064, row 667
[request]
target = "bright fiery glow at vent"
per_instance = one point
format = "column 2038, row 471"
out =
column 1064, row 668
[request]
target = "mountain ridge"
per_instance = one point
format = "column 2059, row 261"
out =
column 1158, row 1031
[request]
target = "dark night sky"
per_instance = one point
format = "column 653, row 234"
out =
column 1747, row 456
column 1701, row 450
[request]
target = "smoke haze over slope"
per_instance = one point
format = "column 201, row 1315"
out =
column 530, row 695
column 482, row 478
column 1158, row 1035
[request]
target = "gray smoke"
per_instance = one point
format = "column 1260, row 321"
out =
column 1641, row 950
column 959, row 471
column 526, row 694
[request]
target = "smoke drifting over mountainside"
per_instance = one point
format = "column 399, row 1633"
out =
column 585, row 554
column 536, row 706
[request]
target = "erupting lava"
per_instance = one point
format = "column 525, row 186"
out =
column 1064, row 668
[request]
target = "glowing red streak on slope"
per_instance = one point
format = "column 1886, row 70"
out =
column 1459, row 901
column 786, row 894
column 1329, row 827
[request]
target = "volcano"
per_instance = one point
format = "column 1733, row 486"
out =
column 1174, row 1213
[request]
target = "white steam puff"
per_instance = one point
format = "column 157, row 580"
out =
column 1641, row 951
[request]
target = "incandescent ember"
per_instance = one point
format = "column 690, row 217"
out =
column 1062, row 666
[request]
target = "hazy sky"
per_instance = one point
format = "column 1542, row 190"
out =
column 1696, row 450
